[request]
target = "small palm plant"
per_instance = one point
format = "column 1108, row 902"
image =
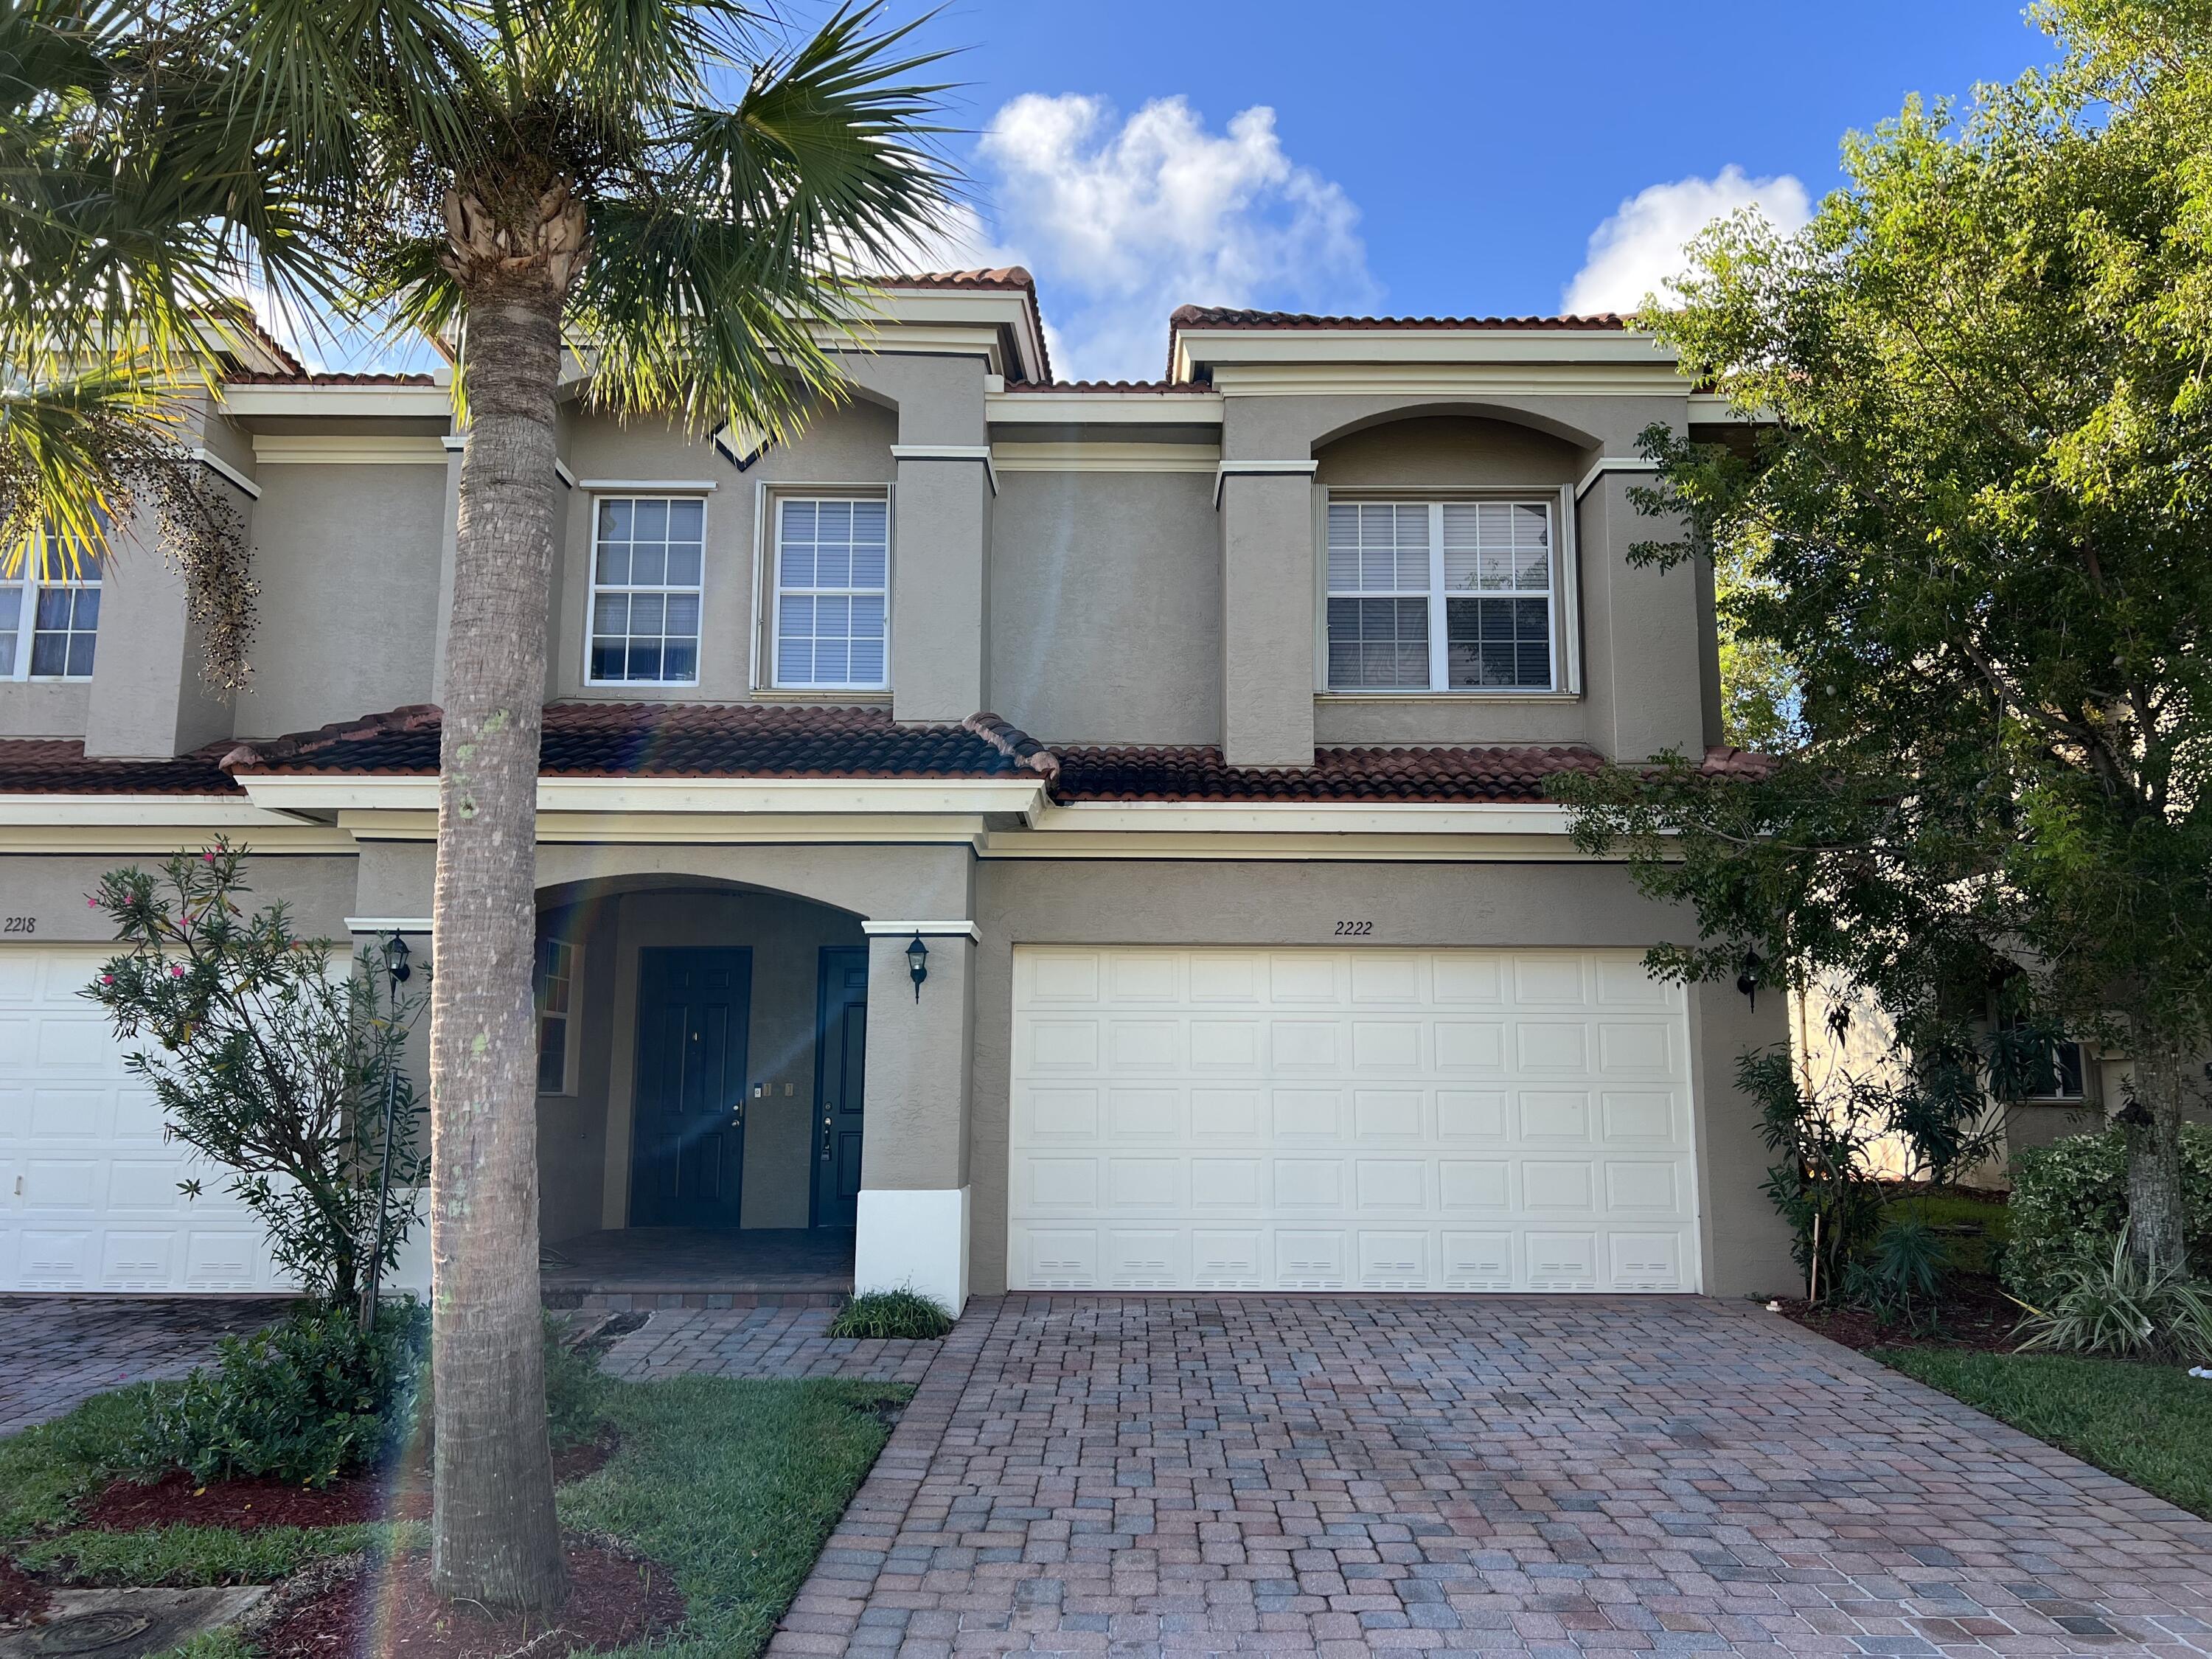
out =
column 2112, row 1303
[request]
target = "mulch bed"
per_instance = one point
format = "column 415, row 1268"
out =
column 401, row 1495
column 1976, row 1315
column 390, row 1611
column 22, row 1598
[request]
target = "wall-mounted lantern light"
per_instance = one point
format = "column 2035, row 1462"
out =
column 1748, row 980
column 395, row 959
column 917, row 964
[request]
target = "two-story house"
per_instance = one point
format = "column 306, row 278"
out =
column 1078, row 837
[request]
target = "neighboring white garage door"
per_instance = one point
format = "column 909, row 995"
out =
column 88, row 1198
column 1314, row 1120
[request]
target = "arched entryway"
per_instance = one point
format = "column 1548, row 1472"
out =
column 702, row 1051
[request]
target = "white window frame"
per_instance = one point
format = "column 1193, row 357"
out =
column 571, row 1024
column 767, row 589
column 2081, row 1058
column 1563, row 593
column 598, row 492
column 29, row 582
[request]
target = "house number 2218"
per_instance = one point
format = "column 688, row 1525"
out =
column 1354, row 929
column 19, row 924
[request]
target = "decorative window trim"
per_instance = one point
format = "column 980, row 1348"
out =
column 572, row 1024
column 1565, row 594
column 30, row 584
column 768, row 498
column 595, row 498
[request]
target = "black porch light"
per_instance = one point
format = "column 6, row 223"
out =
column 917, row 964
column 1748, row 980
column 395, row 958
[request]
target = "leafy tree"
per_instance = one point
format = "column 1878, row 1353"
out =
column 267, row 1063
column 1974, row 525
column 662, row 192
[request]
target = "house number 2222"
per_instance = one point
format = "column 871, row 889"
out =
column 1354, row 929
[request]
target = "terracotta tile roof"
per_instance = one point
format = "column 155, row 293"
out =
column 57, row 766
column 1515, row 774
column 673, row 740
column 1107, row 386
column 1014, row 277
column 1229, row 316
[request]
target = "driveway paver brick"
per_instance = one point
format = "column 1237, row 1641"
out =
column 769, row 1342
column 1133, row 1476
column 58, row 1350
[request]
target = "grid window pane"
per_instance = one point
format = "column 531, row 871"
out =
column 1497, row 547
column 832, row 594
column 1378, row 547
column 1376, row 644
column 1500, row 643
column 61, row 614
column 646, row 571
column 556, row 972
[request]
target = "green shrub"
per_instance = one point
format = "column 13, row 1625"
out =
column 1900, row 1281
column 575, row 1389
column 2070, row 1199
column 901, row 1314
column 2106, row 1302
column 307, row 1399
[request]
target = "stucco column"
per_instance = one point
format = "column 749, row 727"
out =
column 940, row 581
column 1642, row 626
column 1267, row 613
column 914, row 1208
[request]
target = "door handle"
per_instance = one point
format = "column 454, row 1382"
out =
column 825, row 1140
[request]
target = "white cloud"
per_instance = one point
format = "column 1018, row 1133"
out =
column 1123, row 224
column 1635, row 252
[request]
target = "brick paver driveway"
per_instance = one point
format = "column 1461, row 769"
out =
column 57, row 1350
column 1669, row 1475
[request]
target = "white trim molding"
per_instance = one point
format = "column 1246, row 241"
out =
column 222, row 469
column 1102, row 408
column 318, row 449
column 645, row 486
column 1613, row 464
column 1257, row 468
column 925, row 929
column 388, row 924
column 340, row 791
column 950, row 453
column 913, row 1238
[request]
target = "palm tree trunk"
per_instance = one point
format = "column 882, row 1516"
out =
column 2157, row 1235
column 495, row 1538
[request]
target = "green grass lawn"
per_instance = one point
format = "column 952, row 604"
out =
column 734, row 1485
column 2149, row 1425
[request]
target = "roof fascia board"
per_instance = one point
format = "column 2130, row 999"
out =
column 1104, row 409
column 197, row 812
column 342, row 792
column 1445, row 379
column 353, row 402
column 1413, row 345
column 279, row 449
column 1013, row 309
column 700, row 828
column 1306, row 818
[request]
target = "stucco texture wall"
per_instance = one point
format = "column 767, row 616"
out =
column 1106, row 607
column 348, row 561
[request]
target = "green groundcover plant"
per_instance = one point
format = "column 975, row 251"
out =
column 2070, row 1199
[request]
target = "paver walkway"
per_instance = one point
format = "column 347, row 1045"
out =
column 1129, row 1476
column 784, row 1342
column 56, row 1351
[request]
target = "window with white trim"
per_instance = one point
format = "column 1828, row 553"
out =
column 49, row 619
column 1441, row 596
column 648, row 559
column 556, row 997
column 830, row 625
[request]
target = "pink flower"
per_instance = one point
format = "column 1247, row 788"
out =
column 209, row 856
column 90, row 902
column 107, row 979
column 175, row 972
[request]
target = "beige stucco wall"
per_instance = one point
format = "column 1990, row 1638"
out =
column 52, row 889
column 1563, row 905
column 347, row 558
column 1106, row 607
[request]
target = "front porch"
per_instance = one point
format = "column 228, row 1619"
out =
column 653, row 1267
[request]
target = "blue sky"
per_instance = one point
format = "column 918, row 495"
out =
column 1410, row 158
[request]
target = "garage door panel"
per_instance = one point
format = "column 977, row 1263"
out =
column 100, row 1207
column 1330, row 1140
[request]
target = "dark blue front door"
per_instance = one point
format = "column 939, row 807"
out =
column 694, row 1008
column 839, row 1074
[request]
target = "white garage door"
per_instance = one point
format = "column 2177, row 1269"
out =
column 88, row 1198
column 1318, row 1120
